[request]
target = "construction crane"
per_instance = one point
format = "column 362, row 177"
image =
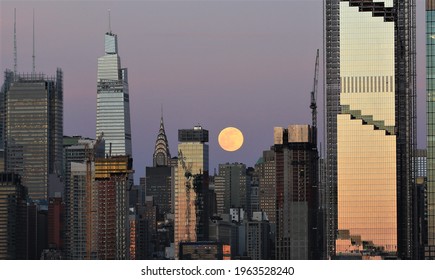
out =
column 313, row 104
column 188, row 175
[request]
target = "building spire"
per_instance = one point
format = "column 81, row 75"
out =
column 110, row 26
column 33, row 55
column 15, row 41
column 161, row 156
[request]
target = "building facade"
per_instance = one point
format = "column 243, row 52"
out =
column 265, row 168
column 430, row 87
column 205, row 250
column 420, row 163
column 370, row 120
column 258, row 237
column 33, row 129
column 296, row 193
column 13, row 218
column 112, row 185
column 159, row 177
column 231, row 187
column 113, row 103
column 191, row 187
column 81, row 196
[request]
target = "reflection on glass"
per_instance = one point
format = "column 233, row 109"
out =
column 366, row 144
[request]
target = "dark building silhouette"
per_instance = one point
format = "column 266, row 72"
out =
column 204, row 250
column 13, row 218
column 56, row 223
column 296, row 193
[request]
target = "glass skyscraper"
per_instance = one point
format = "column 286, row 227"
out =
column 33, row 129
column 113, row 105
column 430, row 87
column 191, row 186
column 370, row 120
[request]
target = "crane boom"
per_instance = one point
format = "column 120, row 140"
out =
column 313, row 104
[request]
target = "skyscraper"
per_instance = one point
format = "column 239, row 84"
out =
column 296, row 193
column 112, row 185
column 257, row 237
column 13, row 218
column 230, row 187
column 161, row 156
column 370, row 121
column 81, row 196
column 113, row 105
column 158, row 177
column 81, row 237
column 430, row 87
column 265, row 167
column 34, row 129
column 191, row 187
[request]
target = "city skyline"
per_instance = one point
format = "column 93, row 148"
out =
column 188, row 53
column 337, row 183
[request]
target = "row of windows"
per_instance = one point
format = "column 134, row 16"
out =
column 367, row 84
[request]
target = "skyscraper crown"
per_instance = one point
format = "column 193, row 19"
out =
column 111, row 43
column 161, row 156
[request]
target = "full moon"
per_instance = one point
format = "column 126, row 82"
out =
column 230, row 139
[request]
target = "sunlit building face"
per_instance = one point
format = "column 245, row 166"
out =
column 113, row 105
column 192, row 162
column 366, row 134
column 370, row 120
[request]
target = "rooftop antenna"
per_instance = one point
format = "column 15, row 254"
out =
column 33, row 56
column 15, row 41
column 161, row 110
column 110, row 26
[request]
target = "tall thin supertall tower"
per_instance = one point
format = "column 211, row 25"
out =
column 113, row 105
column 370, row 121
column 430, row 87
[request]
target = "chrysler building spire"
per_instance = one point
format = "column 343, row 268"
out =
column 161, row 156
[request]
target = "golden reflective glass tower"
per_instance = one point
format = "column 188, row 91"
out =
column 370, row 120
column 191, row 187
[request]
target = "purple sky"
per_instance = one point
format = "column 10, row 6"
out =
column 247, row 64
